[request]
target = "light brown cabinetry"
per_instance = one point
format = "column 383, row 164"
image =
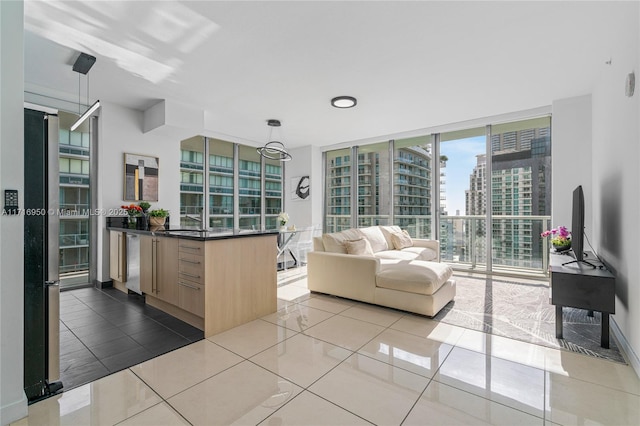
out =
column 191, row 273
column 159, row 268
column 214, row 284
column 118, row 256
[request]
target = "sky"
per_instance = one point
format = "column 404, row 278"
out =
column 462, row 159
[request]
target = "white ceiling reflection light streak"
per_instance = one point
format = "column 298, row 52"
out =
column 151, row 48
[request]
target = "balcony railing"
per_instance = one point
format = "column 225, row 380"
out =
column 73, row 240
column 517, row 247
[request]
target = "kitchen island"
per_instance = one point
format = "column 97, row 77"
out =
column 212, row 280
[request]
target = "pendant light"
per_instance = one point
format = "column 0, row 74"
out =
column 82, row 65
column 274, row 150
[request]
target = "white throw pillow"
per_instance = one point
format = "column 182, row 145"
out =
column 360, row 246
column 375, row 237
column 333, row 243
column 387, row 230
column 401, row 240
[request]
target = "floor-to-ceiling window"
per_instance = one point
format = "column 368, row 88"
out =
column 221, row 186
column 486, row 188
column 273, row 180
column 374, row 192
column 249, row 187
column 74, row 163
column 462, row 230
column 338, row 190
column 520, row 192
column 191, row 181
column 237, row 186
column 412, row 185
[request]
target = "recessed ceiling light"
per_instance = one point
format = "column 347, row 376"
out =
column 344, row 102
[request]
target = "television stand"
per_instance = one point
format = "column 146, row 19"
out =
column 584, row 288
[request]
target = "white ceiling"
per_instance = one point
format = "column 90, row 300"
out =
column 411, row 65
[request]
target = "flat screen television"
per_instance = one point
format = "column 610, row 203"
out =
column 577, row 224
column 577, row 228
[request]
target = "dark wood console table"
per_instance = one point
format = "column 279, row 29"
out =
column 581, row 286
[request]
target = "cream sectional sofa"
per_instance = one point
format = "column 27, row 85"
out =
column 381, row 265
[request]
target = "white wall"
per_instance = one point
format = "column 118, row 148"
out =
column 121, row 132
column 13, row 403
column 305, row 161
column 571, row 156
column 616, row 176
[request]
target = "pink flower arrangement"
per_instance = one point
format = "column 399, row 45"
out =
column 561, row 236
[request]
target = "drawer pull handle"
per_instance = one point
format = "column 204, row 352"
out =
column 190, row 261
column 190, row 286
column 189, row 247
column 190, row 275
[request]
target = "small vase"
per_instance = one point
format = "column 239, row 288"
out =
column 132, row 222
column 141, row 223
column 283, row 228
column 560, row 248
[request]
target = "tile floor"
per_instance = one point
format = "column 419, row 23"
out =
column 324, row 360
column 104, row 331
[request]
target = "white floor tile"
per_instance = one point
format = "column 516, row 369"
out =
column 309, row 409
column 178, row 370
column 249, row 339
column 301, row 359
column 502, row 347
column 331, row 304
column 108, row 400
column 408, row 351
column 158, row 415
column 428, row 328
column 575, row 402
column 505, row 382
column 373, row 314
column 345, row 332
column 593, row 370
column 442, row 405
column 243, row 394
column 373, row 390
column 297, row 317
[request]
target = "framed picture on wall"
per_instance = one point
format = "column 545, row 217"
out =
column 140, row 177
column 300, row 188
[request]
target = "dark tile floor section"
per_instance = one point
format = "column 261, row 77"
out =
column 104, row 331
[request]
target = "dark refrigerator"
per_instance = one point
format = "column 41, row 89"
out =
column 41, row 252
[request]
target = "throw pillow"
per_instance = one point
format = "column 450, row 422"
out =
column 360, row 246
column 375, row 237
column 401, row 240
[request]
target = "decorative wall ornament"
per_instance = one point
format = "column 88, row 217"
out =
column 300, row 188
column 140, row 177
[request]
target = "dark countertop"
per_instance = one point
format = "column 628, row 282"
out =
column 196, row 235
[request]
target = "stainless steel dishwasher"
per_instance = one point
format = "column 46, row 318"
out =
column 133, row 262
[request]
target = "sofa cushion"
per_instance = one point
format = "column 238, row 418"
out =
column 401, row 240
column 417, row 276
column 334, row 242
column 396, row 255
column 360, row 246
column 387, row 231
column 376, row 238
column 421, row 253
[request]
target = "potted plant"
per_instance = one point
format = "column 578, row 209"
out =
column 144, row 205
column 561, row 238
column 157, row 217
column 133, row 211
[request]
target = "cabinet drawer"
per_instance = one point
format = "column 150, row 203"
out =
column 191, row 247
column 191, row 268
column 191, row 297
